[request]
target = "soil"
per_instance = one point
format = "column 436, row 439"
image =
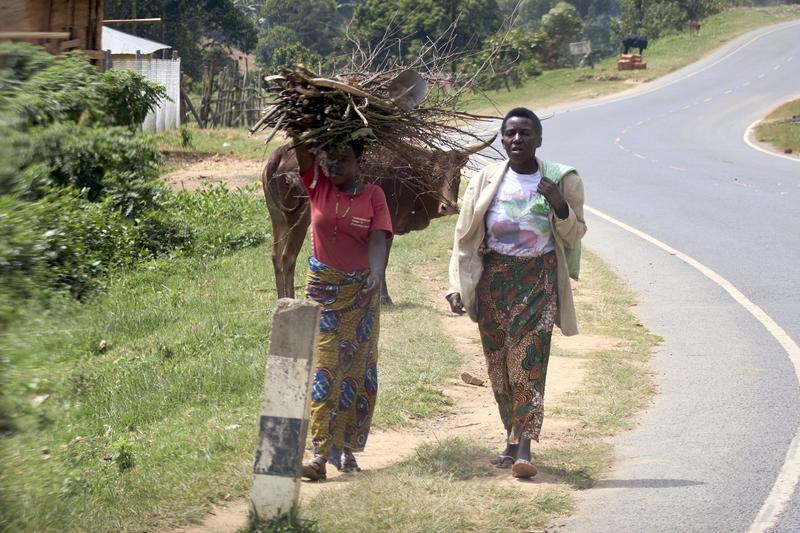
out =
column 195, row 170
column 473, row 415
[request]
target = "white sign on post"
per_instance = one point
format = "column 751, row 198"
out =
column 580, row 48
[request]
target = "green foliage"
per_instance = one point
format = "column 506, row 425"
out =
column 418, row 22
column 314, row 23
column 513, row 58
column 20, row 61
column 287, row 55
column 185, row 24
column 563, row 25
column 275, row 37
column 71, row 89
column 660, row 18
column 80, row 190
column 123, row 454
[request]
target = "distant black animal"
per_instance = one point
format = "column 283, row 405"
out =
column 634, row 41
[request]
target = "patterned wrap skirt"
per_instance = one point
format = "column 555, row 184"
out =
column 517, row 301
column 345, row 383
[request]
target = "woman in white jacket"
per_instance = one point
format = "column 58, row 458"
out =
column 516, row 238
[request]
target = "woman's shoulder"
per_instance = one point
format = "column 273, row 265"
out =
column 374, row 193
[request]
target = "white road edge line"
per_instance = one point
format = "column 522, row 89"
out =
column 789, row 476
column 748, row 139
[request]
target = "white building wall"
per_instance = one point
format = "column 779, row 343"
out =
column 165, row 72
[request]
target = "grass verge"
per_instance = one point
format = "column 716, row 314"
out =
column 662, row 56
column 781, row 128
column 135, row 411
column 225, row 141
column 442, row 488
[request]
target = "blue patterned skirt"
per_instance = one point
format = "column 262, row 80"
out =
column 346, row 375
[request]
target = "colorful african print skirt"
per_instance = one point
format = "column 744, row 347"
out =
column 517, row 305
column 346, row 377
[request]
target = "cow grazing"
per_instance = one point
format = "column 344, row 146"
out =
column 411, row 205
column 634, row 41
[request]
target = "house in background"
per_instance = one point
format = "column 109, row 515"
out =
column 155, row 62
column 57, row 25
column 64, row 25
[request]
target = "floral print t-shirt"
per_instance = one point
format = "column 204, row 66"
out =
column 517, row 222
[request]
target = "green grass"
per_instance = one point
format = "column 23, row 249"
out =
column 662, row 56
column 227, row 141
column 781, row 128
column 149, row 430
column 442, row 488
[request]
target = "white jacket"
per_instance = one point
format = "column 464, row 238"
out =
column 466, row 266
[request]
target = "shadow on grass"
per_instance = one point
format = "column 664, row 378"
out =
column 286, row 523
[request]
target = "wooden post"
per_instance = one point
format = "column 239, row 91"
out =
column 283, row 424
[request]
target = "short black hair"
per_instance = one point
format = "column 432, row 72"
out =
column 523, row 112
column 358, row 148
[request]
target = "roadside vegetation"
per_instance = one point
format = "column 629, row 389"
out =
column 199, row 142
column 662, row 56
column 781, row 128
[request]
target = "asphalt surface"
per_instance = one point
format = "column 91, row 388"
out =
column 670, row 160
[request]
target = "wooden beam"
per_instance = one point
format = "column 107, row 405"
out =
column 132, row 21
column 68, row 45
column 35, row 35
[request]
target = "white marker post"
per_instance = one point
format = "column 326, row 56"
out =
column 283, row 424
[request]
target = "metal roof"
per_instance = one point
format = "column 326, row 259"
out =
column 124, row 43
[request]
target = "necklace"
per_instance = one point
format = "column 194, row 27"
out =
column 346, row 211
column 356, row 189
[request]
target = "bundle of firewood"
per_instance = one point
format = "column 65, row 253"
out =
column 384, row 107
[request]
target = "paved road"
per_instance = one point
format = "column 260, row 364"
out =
column 671, row 162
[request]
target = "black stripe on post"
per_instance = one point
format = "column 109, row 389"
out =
column 282, row 435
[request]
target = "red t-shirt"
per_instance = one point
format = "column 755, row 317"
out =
column 340, row 240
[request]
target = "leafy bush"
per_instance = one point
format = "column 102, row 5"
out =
column 80, row 189
column 20, row 61
column 513, row 57
column 101, row 162
column 222, row 221
column 71, row 89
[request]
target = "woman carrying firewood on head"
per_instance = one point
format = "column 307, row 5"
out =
column 514, row 251
column 350, row 226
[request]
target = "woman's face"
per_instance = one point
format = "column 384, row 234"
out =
column 342, row 165
column 520, row 139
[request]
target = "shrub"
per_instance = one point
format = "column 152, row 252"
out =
column 71, row 89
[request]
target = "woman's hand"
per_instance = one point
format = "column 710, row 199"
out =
column 552, row 193
column 372, row 284
column 456, row 305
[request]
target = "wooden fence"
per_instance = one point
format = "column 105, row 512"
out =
column 229, row 100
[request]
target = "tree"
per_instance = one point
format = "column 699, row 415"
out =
column 419, row 22
column 508, row 59
column 315, row 23
column 655, row 18
column 184, row 23
column 563, row 25
column 288, row 55
column 275, row 37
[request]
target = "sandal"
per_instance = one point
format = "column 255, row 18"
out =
column 502, row 461
column 315, row 469
column 523, row 469
column 349, row 463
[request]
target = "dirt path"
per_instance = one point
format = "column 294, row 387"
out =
column 473, row 415
column 194, row 170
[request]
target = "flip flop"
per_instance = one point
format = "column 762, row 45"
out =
column 315, row 470
column 469, row 379
column 502, row 461
column 523, row 469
